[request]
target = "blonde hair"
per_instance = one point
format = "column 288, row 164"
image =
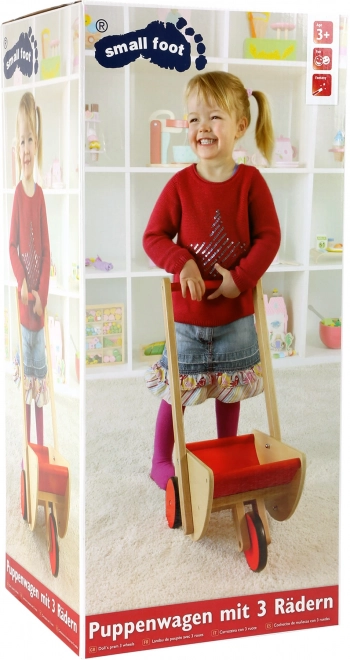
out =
column 230, row 94
column 32, row 113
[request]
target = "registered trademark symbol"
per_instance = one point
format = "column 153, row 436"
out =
column 5, row 43
column 101, row 25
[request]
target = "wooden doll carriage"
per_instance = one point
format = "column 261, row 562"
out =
column 251, row 474
column 45, row 473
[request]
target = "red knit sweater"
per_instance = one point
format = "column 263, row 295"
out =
column 233, row 223
column 30, row 251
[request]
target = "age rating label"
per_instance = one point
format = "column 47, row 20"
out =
column 323, row 32
column 322, row 62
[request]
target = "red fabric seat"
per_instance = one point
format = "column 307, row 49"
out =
column 52, row 478
column 236, row 466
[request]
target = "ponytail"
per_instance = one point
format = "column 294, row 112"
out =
column 264, row 135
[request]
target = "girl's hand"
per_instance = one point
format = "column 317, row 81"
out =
column 24, row 292
column 190, row 277
column 37, row 309
column 227, row 288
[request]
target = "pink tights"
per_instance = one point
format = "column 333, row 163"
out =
column 227, row 416
column 39, row 422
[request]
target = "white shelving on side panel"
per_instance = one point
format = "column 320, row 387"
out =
column 57, row 96
column 121, row 187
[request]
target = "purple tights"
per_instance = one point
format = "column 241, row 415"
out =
column 227, row 416
column 39, row 422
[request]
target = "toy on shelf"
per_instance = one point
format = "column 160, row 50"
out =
column 284, row 153
column 150, row 352
column 99, row 263
column 50, row 66
column 240, row 155
column 53, row 178
column 91, row 33
column 257, row 46
column 277, row 324
column 162, row 125
column 104, row 334
column 95, row 143
column 282, row 28
column 338, row 147
column 329, row 330
column 325, row 247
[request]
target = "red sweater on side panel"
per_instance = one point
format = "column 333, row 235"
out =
column 30, row 251
column 233, row 223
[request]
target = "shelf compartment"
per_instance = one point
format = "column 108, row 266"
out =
column 293, row 287
column 325, row 295
column 290, row 195
column 112, row 121
column 147, row 316
column 105, row 219
column 327, row 210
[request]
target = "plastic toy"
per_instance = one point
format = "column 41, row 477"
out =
column 282, row 28
column 338, row 147
column 50, row 66
column 91, row 33
column 284, row 153
column 160, row 130
column 329, row 330
column 258, row 47
column 277, row 325
column 45, row 474
column 250, row 475
column 94, row 134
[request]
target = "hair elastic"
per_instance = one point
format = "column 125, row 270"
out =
column 249, row 92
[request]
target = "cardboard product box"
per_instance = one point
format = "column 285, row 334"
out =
column 244, row 541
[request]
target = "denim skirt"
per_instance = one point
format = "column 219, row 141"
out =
column 34, row 357
column 221, row 362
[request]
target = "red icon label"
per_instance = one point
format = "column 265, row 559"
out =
column 321, row 85
column 323, row 32
column 322, row 59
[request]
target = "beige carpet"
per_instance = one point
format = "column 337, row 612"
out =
column 28, row 547
column 134, row 560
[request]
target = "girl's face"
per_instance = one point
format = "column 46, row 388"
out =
column 212, row 131
column 27, row 147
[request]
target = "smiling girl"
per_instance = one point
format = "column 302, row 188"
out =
column 30, row 258
column 227, row 229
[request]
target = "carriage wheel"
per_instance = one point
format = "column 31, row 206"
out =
column 172, row 503
column 23, row 495
column 256, row 556
column 53, row 550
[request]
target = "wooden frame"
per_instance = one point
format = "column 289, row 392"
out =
column 60, row 504
column 196, row 479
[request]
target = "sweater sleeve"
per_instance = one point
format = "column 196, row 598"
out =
column 265, row 235
column 16, row 263
column 43, row 288
column 162, row 228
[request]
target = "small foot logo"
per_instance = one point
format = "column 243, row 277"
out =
column 23, row 55
column 163, row 44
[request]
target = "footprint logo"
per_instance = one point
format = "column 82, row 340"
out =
column 163, row 44
column 201, row 60
column 23, row 55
